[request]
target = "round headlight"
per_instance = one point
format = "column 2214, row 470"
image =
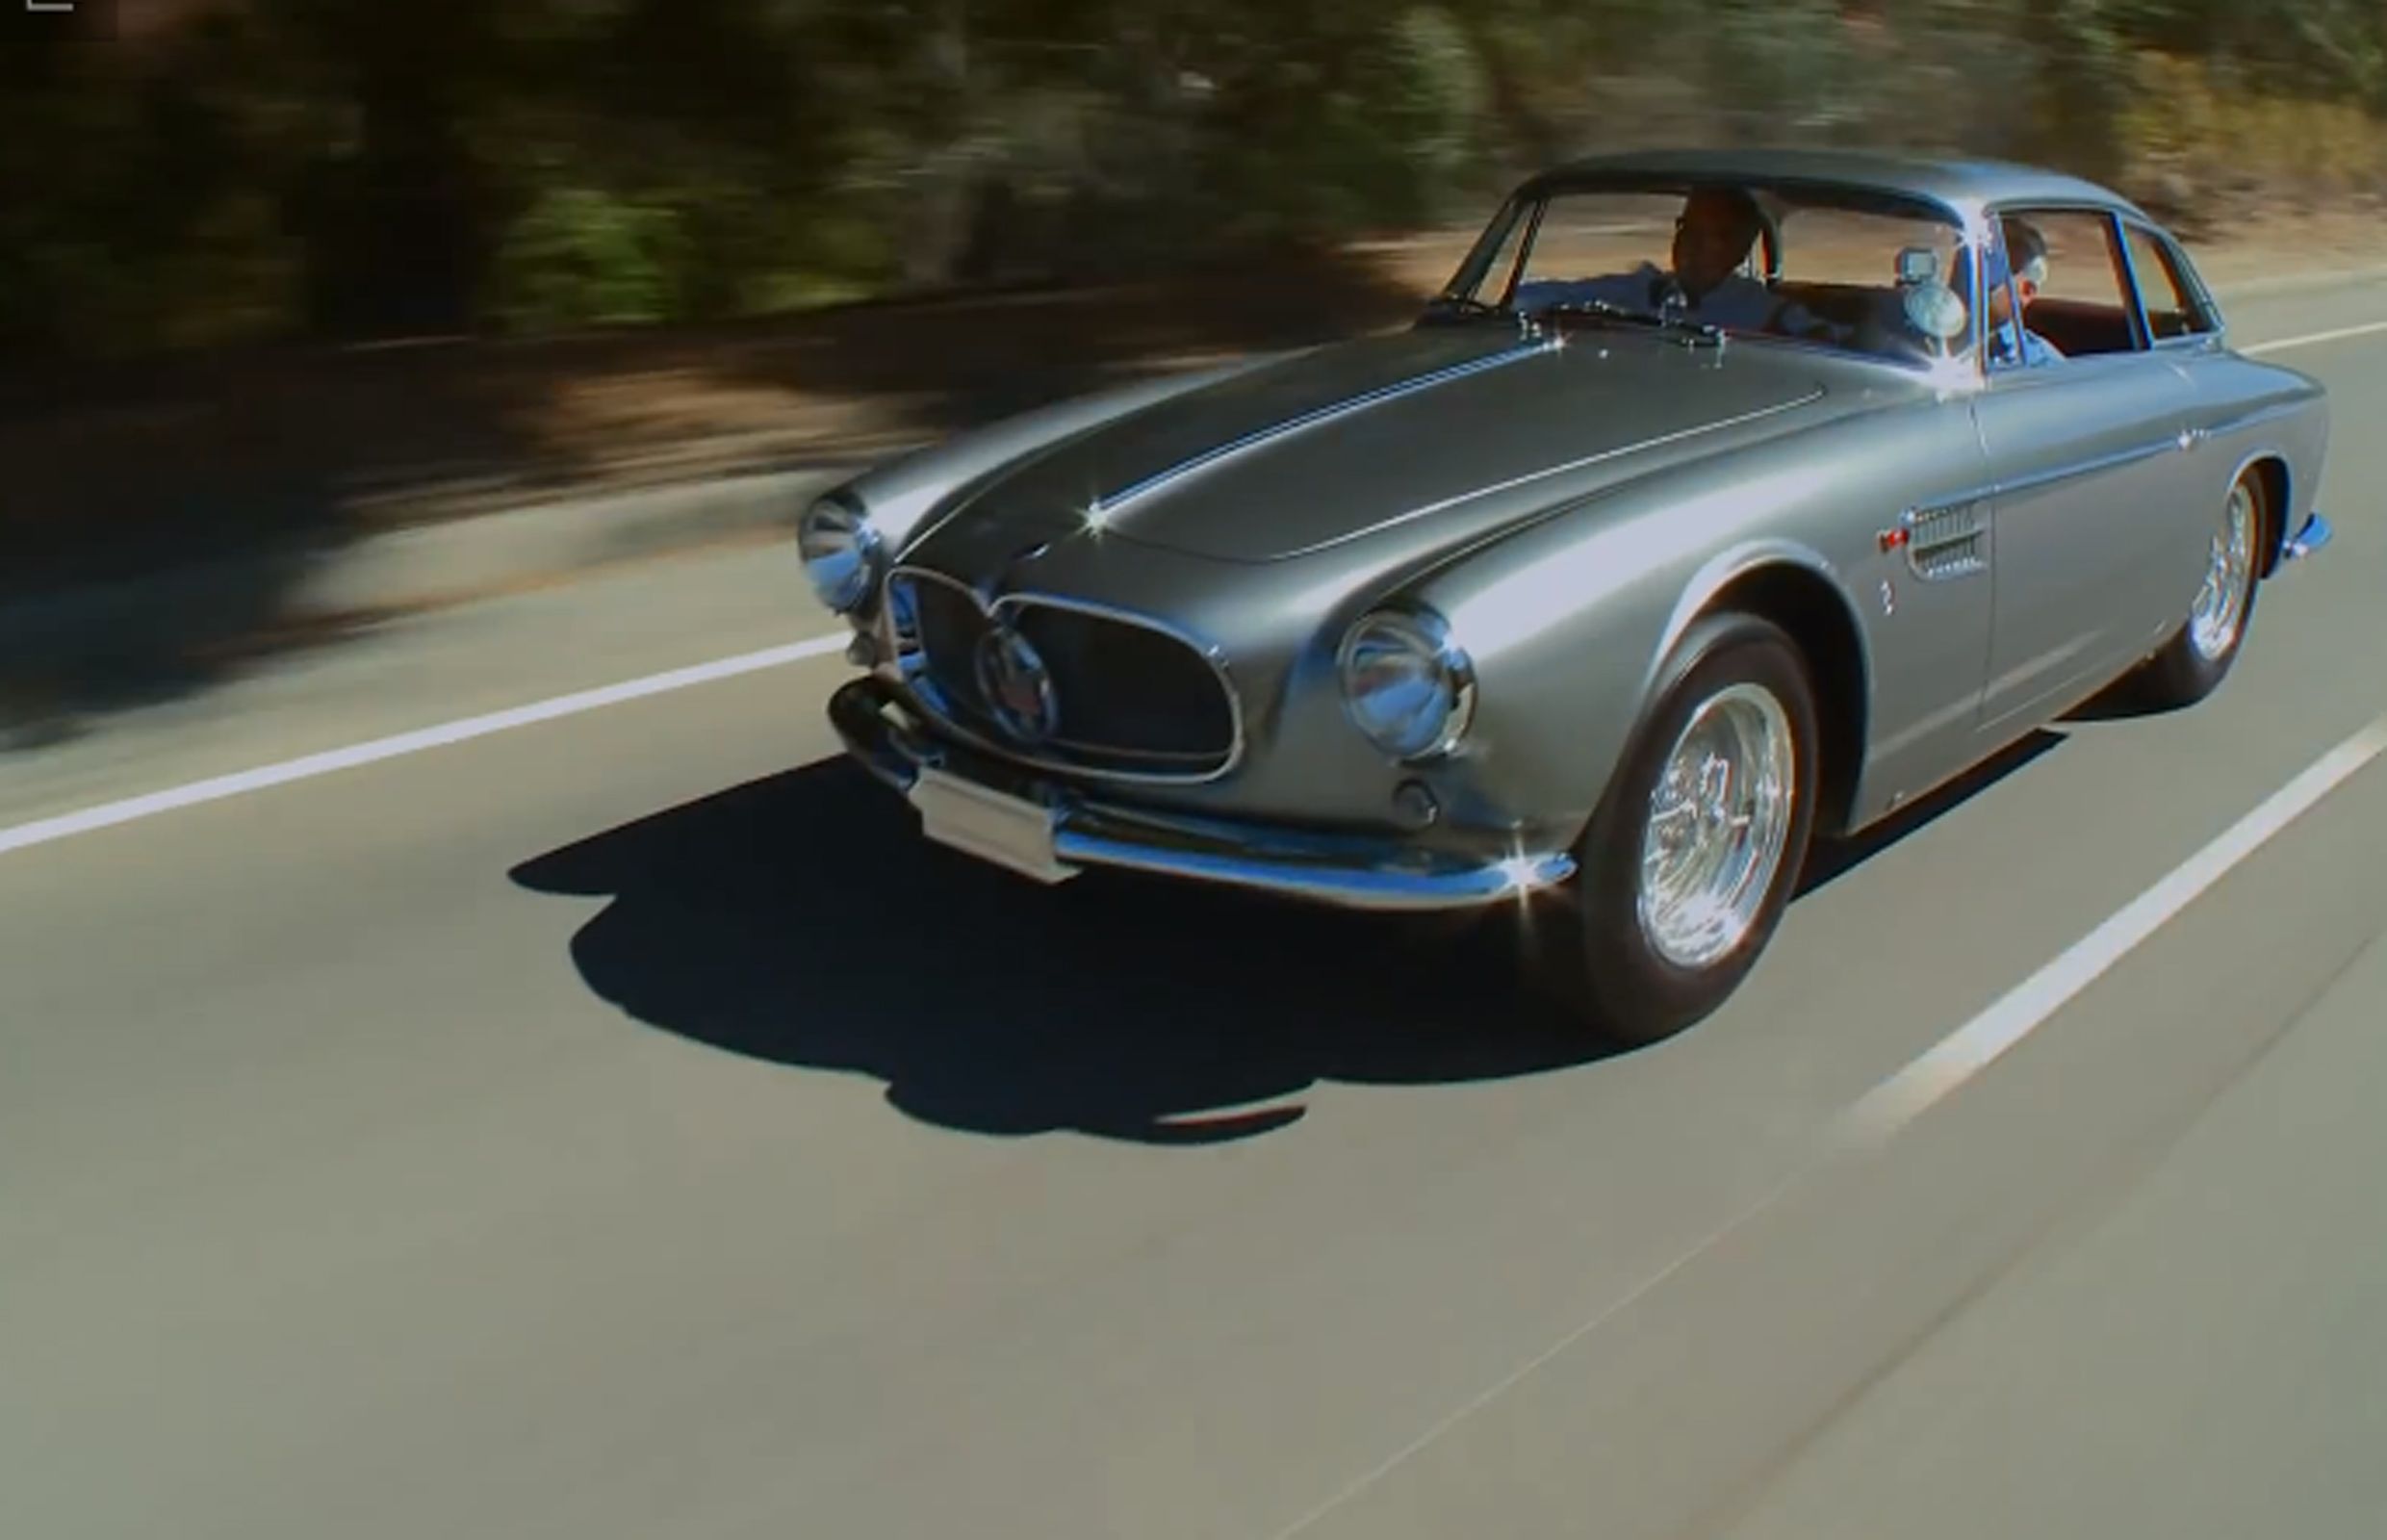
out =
column 1406, row 684
column 841, row 553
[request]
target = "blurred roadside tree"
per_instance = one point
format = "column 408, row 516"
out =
column 251, row 169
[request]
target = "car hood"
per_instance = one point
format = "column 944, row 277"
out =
column 1341, row 442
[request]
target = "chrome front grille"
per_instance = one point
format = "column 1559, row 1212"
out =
column 1132, row 698
column 943, row 639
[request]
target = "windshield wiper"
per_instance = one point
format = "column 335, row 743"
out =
column 1690, row 331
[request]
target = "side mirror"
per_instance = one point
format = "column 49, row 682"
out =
column 1933, row 308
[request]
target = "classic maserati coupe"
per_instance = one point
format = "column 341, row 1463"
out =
column 1721, row 501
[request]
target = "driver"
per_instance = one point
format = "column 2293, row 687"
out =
column 1712, row 239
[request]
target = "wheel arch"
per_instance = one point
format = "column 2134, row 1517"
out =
column 1796, row 590
column 2272, row 467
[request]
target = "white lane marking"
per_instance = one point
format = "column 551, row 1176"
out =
column 2312, row 338
column 1942, row 1068
column 109, row 814
column 2025, row 1008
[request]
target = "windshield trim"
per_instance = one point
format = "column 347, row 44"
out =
column 1532, row 201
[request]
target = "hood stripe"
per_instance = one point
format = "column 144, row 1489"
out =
column 1585, row 462
column 1107, row 506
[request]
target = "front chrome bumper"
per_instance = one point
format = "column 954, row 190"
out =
column 940, row 780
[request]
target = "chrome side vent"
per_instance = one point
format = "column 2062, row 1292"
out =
column 1945, row 542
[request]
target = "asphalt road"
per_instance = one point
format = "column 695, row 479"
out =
column 620, row 1125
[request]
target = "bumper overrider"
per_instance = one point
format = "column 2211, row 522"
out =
column 2309, row 538
column 979, row 803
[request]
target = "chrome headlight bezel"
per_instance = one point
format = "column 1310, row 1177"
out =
column 1387, row 650
column 842, row 554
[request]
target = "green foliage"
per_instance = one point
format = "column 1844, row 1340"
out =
column 1781, row 70
column 580, row 256
column 1437, row 115
column 356, row 165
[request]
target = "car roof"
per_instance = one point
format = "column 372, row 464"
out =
column 1962, row 187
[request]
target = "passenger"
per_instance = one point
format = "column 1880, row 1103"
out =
column 2025, row 258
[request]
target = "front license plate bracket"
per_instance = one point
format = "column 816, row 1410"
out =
column 993, row 826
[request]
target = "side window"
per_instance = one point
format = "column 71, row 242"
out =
column 2173, row 306
column 2079, row 300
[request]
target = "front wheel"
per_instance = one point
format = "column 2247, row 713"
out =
column 1691, row 859
column 2197, row 657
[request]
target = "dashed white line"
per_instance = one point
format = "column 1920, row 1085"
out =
column 107, row 816
column 1955, row 1058
column 2312, row 338
column 1987, row 1036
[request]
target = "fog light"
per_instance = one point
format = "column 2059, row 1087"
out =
column 1414, row 806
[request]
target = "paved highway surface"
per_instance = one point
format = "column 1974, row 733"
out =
column 619, row 1124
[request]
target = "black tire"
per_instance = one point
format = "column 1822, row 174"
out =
column 1608, row 969
column 2181, row 674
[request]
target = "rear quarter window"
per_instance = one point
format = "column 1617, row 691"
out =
column 2174, row 307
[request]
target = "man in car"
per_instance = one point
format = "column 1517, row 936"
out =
column 2024, row 259
column 1712, row 238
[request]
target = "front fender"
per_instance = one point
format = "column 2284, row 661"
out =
column 1569, row 621
column 1747, row 559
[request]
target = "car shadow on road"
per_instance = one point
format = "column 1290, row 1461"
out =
column 801, row 920
column 1828, row 861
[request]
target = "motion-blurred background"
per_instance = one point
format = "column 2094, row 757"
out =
column 635, row 242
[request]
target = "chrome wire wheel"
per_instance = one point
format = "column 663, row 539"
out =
column 1719, row 820
column 2220, row 612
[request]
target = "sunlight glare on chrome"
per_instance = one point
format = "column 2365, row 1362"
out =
column 1953, row 375
column 1518, row 875
column 1522, row 877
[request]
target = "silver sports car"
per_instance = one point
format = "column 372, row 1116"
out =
column 1720, row 503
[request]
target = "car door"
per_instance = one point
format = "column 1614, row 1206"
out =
column 2223, row 425
column 2089, row 472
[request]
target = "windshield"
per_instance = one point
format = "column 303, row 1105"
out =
column 1821, row 269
